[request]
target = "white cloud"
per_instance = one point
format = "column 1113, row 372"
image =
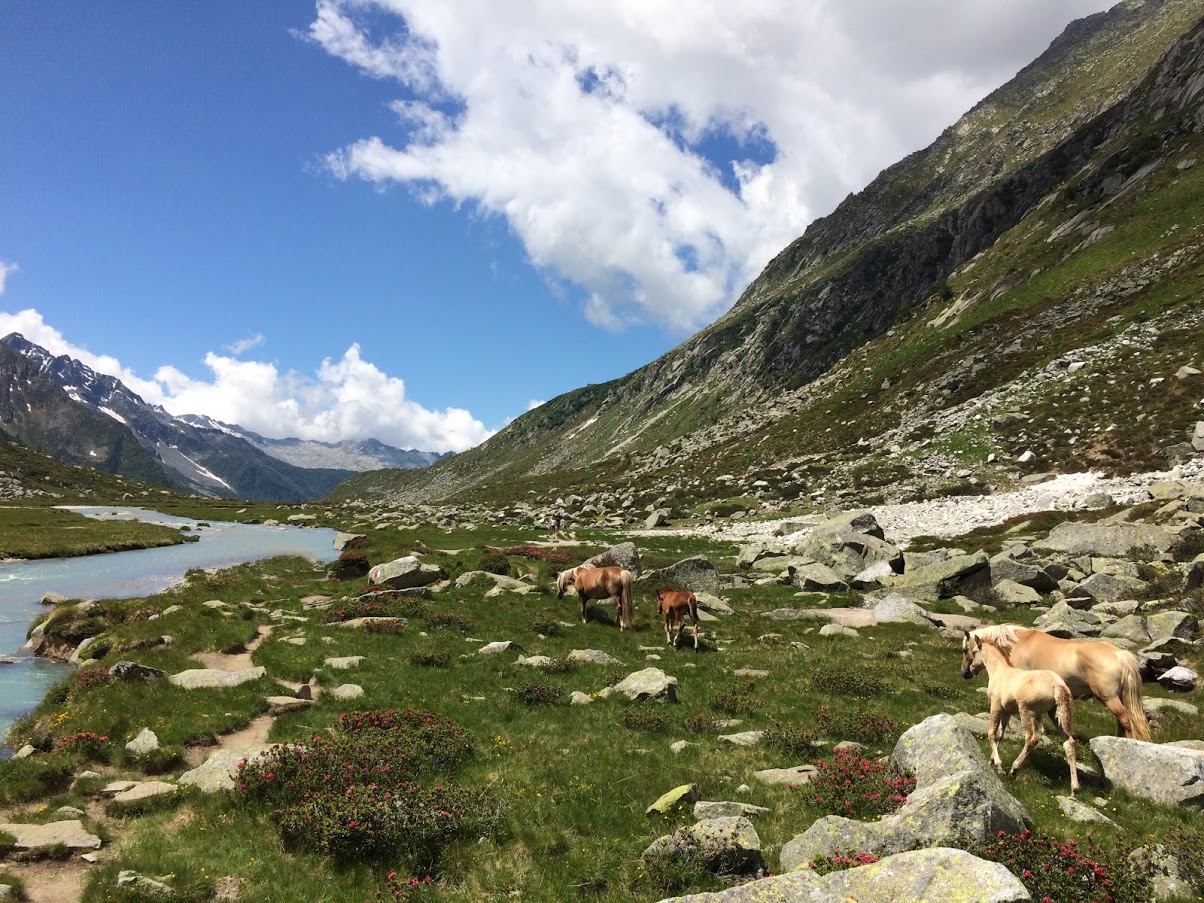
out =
column 345, row 399
column 589, row 126
column 535, row 403
column 242, row 346
column 5, row 270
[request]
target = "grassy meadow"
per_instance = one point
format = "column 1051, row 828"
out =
column 54, row 533
column 563, row 787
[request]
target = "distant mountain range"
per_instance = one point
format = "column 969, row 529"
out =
column 63, row 408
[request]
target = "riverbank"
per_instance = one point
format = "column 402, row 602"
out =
column 35, row 533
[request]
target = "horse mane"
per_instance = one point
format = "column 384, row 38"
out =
column 562, row 578
column 1003, row 636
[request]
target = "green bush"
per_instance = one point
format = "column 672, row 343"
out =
column 851, row 682
column 839, row 862
column 440, row 619
column 736, row 701
column 350, row 566
column 650, row 719
column 159, row 761
column 431, row 659
column 858, row 726
column 539, row 692
column 494, row 561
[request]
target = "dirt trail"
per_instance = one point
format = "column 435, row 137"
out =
column 238, row 661
column 50, row 881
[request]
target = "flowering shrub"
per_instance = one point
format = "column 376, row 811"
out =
column 1064, row 871
column 403, row 887
column 391, row 626
column 861, row 727
column 88, row 678
column 539, row 692
column 856, row 787
column 494, row 562
column 846, row 682
column 838, row 862
column 378, row 605
column 701, row 724
column 87, row 745
column 539, row 554
column 352, row 794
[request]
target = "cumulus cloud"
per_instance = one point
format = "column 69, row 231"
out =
column 348, row 398
column 656, row 155
column 5, row 270
column 242, row 346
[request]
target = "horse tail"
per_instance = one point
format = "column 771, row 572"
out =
column 694, row 609
column 1130, row 694
column 625, row 597
column 1063, row 698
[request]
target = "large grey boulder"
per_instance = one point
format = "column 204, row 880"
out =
column 651, row 683
column 951, row 577
column 1108, row 540
column 1006, row 567
column 220, row 770
column 849, row 522
column 1158, row 772
column 211, row 678
column 696, row 574
column 849, row 552
column 1181, row 625
column 592, row 657
column 895, row 608
column 343, row 540
column 403, row 573
column 48, row 838
column 814, row 577
column 1064, row 621
column 129, row 672
column 624, row 555
column 1108, row 588
column 957, row 797
column 937, row 874
column 1012, row 594
column 1131, row 628
column 728, row 844
column 146, row 742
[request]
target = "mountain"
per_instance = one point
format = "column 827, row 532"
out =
column 58, row 405
column 1013, row 287
column 350, row 454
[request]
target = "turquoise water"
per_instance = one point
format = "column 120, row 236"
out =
column 121, row 575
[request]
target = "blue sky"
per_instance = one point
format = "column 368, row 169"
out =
column 410, row 219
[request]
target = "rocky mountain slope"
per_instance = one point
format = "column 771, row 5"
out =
column 1018, row 297
column 59, row 406
column 350, row 454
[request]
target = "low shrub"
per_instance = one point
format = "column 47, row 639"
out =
column 349, row 566
column 544, row 626
column 561, row 664
column 33, row 777
column 539, row 554
column 391, row 626
column 17, row 885
column 494, row 561
column 683, row 869
column 1065, row 871
column 652, row 720
column 159, row 761
column 702, row 724
column 1188, row 846
column 860, row 727
column 377, row 606
column 850, row 682
column 852, row 786
column 736, row 701
column 539, row 692
column 839, row 862
column 440, row 619
column 352, row 794
column 790, row 739
column 406, row 888
column 431, row 659
column 88, row 679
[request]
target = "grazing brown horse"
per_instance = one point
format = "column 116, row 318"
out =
column 1029, row 694
column 1089, row 667
column 612, row 583
column 674, row 604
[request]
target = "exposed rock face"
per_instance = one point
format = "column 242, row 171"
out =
column 957, row 796
column 940, row 873
column 729, row 844
column 696, row 574
column 404, row 573
column 1162, row 773
column 625, row 555
column 1107, row 540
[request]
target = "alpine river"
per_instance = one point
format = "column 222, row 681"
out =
column 24, row 679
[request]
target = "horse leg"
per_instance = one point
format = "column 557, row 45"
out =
column 1069, row 748
column 581, row 596
column 618, row 600
column 681, row 628
column 994, row 732
column 668, row 635
column 1032, row 732
column 1124, row 726
column 695, row 617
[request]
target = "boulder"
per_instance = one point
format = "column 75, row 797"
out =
column 651, row 683
column 729, row 845
column 696, row 573
column 725, row 809
column 951, row 577
column 1081, row 812
column 1067, row 622
column 625, row 555
column 592, row 657
column 209, row 678
column 343, row 540
column 1012, row 594
column 1130, row 628
column 1181, row 625
column 144, row 790
column 1163, row 774
column 403, row 573
column 684, row 795
column 895, row 608
column 146, row 742
column 220, row 770
column 1101, row 587
column 849, row 552
column 958, row 797
column 817, row 578
column 347, row 691
column 1141, row 541
column 1180, row 678
column 46, row 839
column 798, row 775
column 129, row 672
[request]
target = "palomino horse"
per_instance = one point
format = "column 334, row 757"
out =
column 612, row 583
column 674, row 605
column 1029, row 694
column 1089, row 667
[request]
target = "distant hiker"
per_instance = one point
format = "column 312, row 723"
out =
column 557, row 518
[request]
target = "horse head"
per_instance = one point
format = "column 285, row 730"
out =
column 564, row 581
column 972, row 662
